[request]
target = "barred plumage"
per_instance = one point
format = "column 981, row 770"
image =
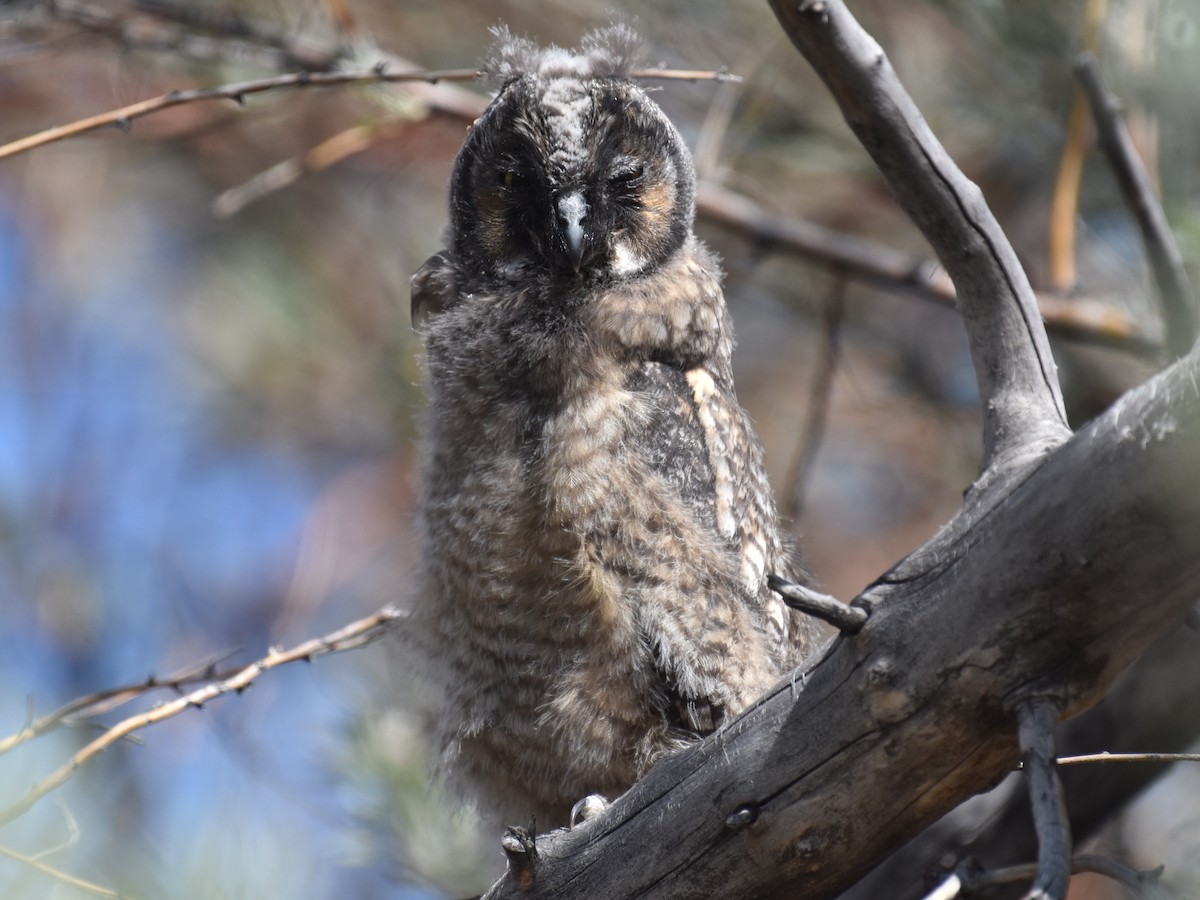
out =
column 597, row 524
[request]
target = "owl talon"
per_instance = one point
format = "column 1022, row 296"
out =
column 588, row 808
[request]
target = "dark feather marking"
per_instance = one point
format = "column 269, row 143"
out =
column 672, row 441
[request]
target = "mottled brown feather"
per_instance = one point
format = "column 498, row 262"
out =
column 596, row 521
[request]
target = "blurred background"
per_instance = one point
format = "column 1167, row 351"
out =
column 208, row 381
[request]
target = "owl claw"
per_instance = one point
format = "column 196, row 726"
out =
column 589, row 807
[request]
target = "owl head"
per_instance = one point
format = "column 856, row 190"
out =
column 572, row 175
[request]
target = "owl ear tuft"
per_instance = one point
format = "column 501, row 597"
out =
column 608, row 52
column 509, row 56
column 614, row 50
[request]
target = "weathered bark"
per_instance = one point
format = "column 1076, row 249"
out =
column 1071, row 555
column 1155, row 705
column 1060, row 587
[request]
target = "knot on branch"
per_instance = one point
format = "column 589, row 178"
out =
column 520, row 849
column 742, row 817
column 846, row 619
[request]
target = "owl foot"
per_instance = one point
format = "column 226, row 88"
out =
column 589, row 807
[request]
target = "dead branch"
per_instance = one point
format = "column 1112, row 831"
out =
column 62, row 877
column 893, row 270
column 236, row 92
column 1018, row 384
column 350, row 637
column 1166, row 262
column 111, row 698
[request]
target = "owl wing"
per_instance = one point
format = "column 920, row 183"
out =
column 702, row 444
column 698, row 441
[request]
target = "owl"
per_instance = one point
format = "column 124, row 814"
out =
column 597, row 527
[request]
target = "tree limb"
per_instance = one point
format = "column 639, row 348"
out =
column 1166, row 262
column 1022, row 403
column 1036, row 718
column 1155, row 704
column 884, row 267
column 1065, row 584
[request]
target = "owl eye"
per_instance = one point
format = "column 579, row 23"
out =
column 626, row 177
column 507, row 178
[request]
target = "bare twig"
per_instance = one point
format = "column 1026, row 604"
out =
column 847, row 619
column 1128, row 757
column 662, row 74
column 61, row 876
column 1064, row 203
column 965, row 881
column 354, row 635
column 109, row 699
column 236, row 92
column 521, row 853
column 818, row 402
column 1023, row 413
column 1036, row 718
column 331, row 151
column 883, row 267
column 1166, row 262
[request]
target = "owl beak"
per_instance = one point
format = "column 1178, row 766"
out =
column 571, row 211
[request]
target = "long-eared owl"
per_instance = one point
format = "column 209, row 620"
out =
column 596, row 520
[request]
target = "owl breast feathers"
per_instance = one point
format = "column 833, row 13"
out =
column 597, row 525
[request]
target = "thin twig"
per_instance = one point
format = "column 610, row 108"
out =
column 881, row 266
column 61, row 876
column 967, row 881
column 236, row 92
column 110, row 698
column 720, row 75
column 331, row 151
column 813, row 429
column 1128, row 757
column 379, row 74
column 1064, row 203
column 1166, row 261
column 354, row 635
column 1036, row 718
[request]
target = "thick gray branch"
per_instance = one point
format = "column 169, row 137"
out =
column 1155, row 704
column 1166, row 262
column 1059, row 587
column 1018, row 382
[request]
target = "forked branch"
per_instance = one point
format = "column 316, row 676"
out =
column 1018, row 384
